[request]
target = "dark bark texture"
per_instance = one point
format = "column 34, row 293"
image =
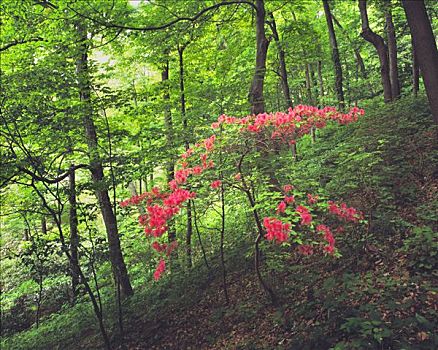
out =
column 282, row 62
column 74, row 237
column 425, row 49
column 168, row 122
column 335, row 55
column 382, row 50
column 256, row 97
column 392, row 52
column 189, row 228
column 96, row 168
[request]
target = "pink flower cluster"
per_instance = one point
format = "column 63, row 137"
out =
column 295, row 123
column 276, row 229
column 345, row 212
column 328, row 236
column 216, row 184
column 162, row 206
column 306, row 217
column 279, row 231
column 160, row 269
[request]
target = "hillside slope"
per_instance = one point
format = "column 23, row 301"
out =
column 381, row 294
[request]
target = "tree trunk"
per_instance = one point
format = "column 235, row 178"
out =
column 74, row 237
column 425, row 50
column 256, row 92
column 320, row 80
column 392, row 51
column 381, row 48
column 282, row 61
column 283, row 72
column 415, row 73
column 168, row 122
column 82, row 278
column 309, row 85
column 359, row 60
column 96, row 168
column 335, row 55
column 189, row 229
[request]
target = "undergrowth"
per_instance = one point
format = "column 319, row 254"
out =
column 381, row 294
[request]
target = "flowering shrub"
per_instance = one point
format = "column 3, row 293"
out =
column 306, row 212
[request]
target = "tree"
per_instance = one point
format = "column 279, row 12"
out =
column 116, row 256
column 256, row 96
column 282, row 62
column 382, row 50
column 425, row 49
column 335, row 55
column 392, row 52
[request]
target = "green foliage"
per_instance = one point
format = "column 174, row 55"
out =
column 385, row 164
column 421, row 248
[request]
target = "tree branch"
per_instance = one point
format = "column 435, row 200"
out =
column 19, row 42
column 166, row 25
column 56, row 179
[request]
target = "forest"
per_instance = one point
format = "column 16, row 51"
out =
column 219, row 174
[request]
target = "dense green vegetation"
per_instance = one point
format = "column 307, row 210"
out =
column 99, row 100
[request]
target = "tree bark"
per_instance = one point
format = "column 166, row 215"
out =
column 359, row 60
column 309, row 85
column 282, row 62
column 168, row 122
column 425, row 50
column 320, row 80
column 415, row 73
column 97, row 310
column 392, row 51
column 335, row 55
column 96, row 168
column 283, row 72
column 74, row 237
column 256, row 97
column 382, row 50
column 189, row 228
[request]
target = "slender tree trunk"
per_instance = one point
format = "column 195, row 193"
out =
column 168, row 122
column 260, row 233
column 392, row 51
column 189, row 229
column 96, row 168
column 282, row 61
column 224, row 269
column 43, row 225
column 335, row 55
column 283, row 72
column 314, row 84
column 74, row 237
column 82, row 278
column 195, row 220
column 360, row 63
column 320, row 80
column 359, row 60
column 415, row 73
column 256, row 97
column 308, row 85
column 425, row 50
column 39, row 299
column 381, row 48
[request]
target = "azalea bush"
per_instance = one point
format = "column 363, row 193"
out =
column 249, row 155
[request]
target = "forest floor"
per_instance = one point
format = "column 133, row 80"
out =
column 317, row 298
column 382, row 293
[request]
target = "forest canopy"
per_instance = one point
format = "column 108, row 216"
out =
column 245, row 174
